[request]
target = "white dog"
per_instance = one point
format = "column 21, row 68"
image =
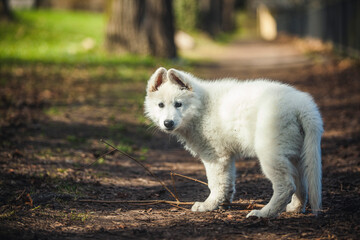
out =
column 221, row 121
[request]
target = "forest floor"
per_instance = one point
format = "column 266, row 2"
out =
column 53, row 115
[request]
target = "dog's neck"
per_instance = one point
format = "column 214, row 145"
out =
column 192, row 136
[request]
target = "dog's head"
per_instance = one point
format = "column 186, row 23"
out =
column 170, row 99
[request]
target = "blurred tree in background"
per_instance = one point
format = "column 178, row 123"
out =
column 142, row 27
column 216, row 16
column 186, row 14
column 5, row 11
column 211, row 16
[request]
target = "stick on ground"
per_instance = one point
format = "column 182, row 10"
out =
column 142, row 165
column 247, row 206
column 190, row 178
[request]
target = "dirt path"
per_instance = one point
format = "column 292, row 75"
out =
column 44, row 158
column 243, row 56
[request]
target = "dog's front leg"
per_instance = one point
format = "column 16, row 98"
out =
column 221, row 181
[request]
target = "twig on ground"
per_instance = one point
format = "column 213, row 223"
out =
column 152, row 202
column 103, row 155
column 190, row 178
column 173, row 184
column 177, row 206
column 143, row 166
column 21, row 194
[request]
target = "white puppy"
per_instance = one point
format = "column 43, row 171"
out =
column 221, row 121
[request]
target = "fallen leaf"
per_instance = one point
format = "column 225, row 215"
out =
column 30, row 202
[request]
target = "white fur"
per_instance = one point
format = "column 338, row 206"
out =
column 221, row 121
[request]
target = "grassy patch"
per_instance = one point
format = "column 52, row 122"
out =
column 7, row 214
column 143, row 153
column 75, row 140
column 80, row 217
column 100, row 161
column 68, row 188
column 74, row 217
column 58, row 36
column 127, row 148
column 118, row 128
column 53, row 111
column 51, row 35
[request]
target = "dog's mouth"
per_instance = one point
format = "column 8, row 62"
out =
column 169, row 129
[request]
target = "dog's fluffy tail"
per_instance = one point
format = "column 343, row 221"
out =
column 311, row 153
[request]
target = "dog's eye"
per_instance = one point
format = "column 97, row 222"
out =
column 178, row 104
column 161, row 105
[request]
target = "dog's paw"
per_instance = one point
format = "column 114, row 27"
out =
column 260, row 214
column 254, row 213
column 204, row 206
column 295, row 208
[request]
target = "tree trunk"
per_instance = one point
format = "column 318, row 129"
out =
column 228, row 15
column 142, row 27
column 6, row 11
column 216, row 16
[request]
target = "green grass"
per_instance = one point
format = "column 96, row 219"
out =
column 50, row 34
column 7, row 214
column 59, row 37
column 73, row 217
column 69, row 188
column 75, row 140
column 53, row 111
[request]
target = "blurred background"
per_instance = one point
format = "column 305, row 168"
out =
column 73, row 72
column 163, row 28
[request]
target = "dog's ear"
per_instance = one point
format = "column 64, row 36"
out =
column 157, row 79
column 179, row 79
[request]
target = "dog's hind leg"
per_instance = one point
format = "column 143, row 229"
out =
column 279, row 171
column 221, row 182
column 299, row 198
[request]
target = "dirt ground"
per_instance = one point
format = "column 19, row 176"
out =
column 52, row 118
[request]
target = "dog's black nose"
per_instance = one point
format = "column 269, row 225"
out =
column 169, row 124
